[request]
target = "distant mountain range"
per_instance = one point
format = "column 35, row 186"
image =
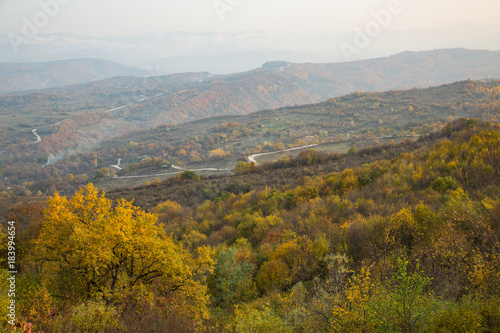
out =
column 314, row 81
column 229, row 52
column 31, row 76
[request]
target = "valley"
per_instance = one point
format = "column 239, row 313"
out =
column 86, row 149
column 289, row 198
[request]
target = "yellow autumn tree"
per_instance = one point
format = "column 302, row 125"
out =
column 351, row 316
column 402, row 231
column 90, row 248
column 218, row 153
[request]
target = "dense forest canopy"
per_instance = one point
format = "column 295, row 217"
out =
column 401, row 242
column 369, row 212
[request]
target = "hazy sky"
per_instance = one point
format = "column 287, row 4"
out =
column 123, row 17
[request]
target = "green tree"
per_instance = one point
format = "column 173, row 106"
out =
column 189, row 175
column 232, row 278
column 241, row 167
column 401, row 307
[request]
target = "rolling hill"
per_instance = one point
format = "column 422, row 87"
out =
column 141, row 103
column 42, row 75
column 68, row 124
column 69, row 153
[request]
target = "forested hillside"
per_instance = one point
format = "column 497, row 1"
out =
column 395, row 238
column 126, row 104
column 360, row 119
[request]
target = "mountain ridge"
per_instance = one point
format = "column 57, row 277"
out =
column 41, row 75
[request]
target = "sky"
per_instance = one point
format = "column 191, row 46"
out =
column 99, row 18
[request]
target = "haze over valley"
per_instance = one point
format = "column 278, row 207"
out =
column 230, row 52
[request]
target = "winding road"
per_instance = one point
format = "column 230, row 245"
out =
column 170, row 173
column 251, row 158
column 205, row 169
column 139, row 101
column 38, row 138
column 117, row 166
column 118, row 108
column 145, row 176
column 59, row 122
